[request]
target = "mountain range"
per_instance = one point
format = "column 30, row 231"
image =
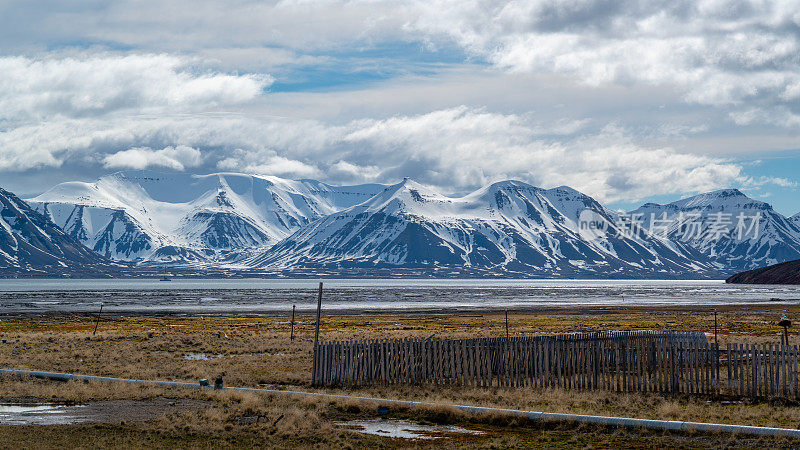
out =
column 510, row 228
column 730, row 228
column 29, row 242
column 149, row 217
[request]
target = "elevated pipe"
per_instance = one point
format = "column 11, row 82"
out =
column 625, row 422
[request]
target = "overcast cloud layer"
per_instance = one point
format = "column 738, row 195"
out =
column 623, row 100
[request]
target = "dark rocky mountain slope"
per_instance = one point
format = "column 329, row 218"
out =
column 30, row 243
column 783, row 273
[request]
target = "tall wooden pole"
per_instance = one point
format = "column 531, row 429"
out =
column 506, row 323
column 319, row 309
column 716, row 343
column 715, row 326
column 316, row 335
column 292, row 336
column 97, row 320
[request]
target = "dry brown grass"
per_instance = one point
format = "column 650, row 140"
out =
column 253, row 351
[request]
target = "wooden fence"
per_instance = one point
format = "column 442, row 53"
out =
column 630, row 337
column 636, row 362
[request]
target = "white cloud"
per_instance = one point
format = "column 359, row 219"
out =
column 33, row 89
column 456, row 149
column 776, row 181
column 349, row 172
column 567, row 92
column 256, row 59
column 721, row 53
column 260, row 164
column 717, row 53
column 462, row 148
column 182, row 25
column 177, row 158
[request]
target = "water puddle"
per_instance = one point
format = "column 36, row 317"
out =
column 200, row 356
column 191, row 356
column 110, row 411
column 39, row 414
column 404, row 429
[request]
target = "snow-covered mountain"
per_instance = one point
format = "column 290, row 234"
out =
column 30, row 243
column 509, row 227
column 151, row 217
column 727, row 226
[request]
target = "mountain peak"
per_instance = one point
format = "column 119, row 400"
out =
column 406, row 196
column 409, row 185
column 501, row 189
column 729, row 192
column 511, row 184
column 720, row 199
column 566, row 189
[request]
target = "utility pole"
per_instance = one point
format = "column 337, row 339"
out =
column 316, row 334
column 319, row 309
column 506, row 323
column 292, row 336
column 97, row 321
column 715, row 327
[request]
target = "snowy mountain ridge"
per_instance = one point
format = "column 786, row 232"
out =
column 147, row 216
column 30, row 243
column 727, row 226
column 509, row 228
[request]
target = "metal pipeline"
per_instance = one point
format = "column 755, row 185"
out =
column 626, row 422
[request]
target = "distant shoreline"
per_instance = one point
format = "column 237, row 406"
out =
column 366, row 296
column 306, row 315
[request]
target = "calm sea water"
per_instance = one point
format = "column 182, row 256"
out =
column 265, row 296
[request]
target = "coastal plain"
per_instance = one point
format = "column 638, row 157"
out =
column 257, row 351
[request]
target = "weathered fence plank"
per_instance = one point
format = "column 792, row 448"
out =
column 665, row 362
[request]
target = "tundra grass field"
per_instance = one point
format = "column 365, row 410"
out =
column 258, row 352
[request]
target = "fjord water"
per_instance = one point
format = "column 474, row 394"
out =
column 353, row 295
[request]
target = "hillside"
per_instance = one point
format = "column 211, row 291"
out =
column 30, row 243
column 726, row 226
column 783, row 273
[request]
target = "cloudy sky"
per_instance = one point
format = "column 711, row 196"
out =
column 626, row 101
